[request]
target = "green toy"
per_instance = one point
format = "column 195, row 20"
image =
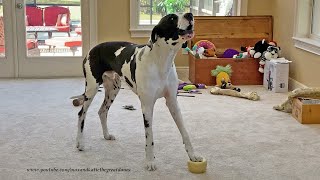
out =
column 189, row 87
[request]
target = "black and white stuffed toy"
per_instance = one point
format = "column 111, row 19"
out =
column 259, row 48
column 272, row 52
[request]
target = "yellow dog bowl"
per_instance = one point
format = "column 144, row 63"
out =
column 197, row 167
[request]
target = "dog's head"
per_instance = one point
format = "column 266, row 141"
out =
column 173, row 30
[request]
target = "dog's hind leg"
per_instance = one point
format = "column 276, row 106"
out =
column 111, row 84
column 90, row 91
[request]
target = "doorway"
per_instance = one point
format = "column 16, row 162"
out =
column 45, row 38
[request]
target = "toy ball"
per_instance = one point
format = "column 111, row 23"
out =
column 197, row 167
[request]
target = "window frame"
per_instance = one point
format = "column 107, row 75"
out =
column 303, row 38
column 137, row 30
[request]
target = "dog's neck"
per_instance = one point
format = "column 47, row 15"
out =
column 163, row 55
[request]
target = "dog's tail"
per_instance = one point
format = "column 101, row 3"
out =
column 78, row 100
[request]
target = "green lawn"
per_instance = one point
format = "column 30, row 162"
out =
column 144, row 16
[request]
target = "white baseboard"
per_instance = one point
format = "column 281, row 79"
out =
column 293, row 84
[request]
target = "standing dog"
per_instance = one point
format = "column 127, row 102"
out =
column 150, row 72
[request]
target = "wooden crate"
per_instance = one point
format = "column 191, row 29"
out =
column 305, row 113
column 229, row 32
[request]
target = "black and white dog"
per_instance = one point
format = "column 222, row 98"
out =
column 150, row 72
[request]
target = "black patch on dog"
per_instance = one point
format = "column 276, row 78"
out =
column 83, row 69
column 128, row 82
column 184, row 45
column 167, row 28
column 152, row 144
column 80, row 112
column 85, row 98
column 133, row 67
column 146, row 123
column 103, row 58
column 175, row 43
column 82, row 125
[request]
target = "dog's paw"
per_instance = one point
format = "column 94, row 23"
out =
column 196, row 158
column 80, row 147
column 110, row 137
column 151, row 166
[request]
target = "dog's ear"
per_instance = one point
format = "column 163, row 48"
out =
column 184, row 45
column 154, row 34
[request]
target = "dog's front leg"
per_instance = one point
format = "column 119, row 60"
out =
column 172, row 103
column 147, row 106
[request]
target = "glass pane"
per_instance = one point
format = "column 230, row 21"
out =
column 2, row 37
column 145, row 3
column 53, row 28
column 213, row 7
column 145, row 18
column 161, row 8
column 316, row 18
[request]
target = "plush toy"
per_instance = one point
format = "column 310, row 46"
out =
column 241, row 55
column 245, row 53
column 228, row 85
column 223, row 77
column 271, row 52
column 204, row 47
column 229, row 53
column 222, row 74
column 259, row 48
column 210, row 53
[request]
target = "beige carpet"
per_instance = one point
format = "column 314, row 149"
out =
column 241, row 139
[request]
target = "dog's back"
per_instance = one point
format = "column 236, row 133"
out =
column 109, row 56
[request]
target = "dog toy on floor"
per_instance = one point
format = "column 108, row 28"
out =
column 197, row 167
column 223, row 75
column 129, row 107
column 228, row 92
column 300, row 92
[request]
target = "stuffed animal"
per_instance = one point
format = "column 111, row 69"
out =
column 222, row 74
column 205, row 47
column 271, row 52
column 228, row 85
column 229, row 53
column 245, row 52
column 259, row 48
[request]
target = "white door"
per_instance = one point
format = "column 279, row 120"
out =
column 49, row 38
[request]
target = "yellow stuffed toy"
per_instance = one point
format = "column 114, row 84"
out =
column 222, row 75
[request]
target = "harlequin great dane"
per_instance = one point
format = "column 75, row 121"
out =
column 150, row 72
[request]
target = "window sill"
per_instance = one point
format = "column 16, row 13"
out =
column 140, row 33
column 307, row 44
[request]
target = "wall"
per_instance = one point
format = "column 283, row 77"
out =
column 304, row 68
column 115, row 28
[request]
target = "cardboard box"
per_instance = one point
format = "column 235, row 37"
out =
column 276, row 75
column 306, row 111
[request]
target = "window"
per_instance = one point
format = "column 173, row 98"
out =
column 147, row 13
column 307, row 26
column 315, row 29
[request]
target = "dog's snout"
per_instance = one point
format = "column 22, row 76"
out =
column 188, row 16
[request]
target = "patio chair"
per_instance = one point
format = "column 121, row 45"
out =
column 59, row 17
column 30, row 43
